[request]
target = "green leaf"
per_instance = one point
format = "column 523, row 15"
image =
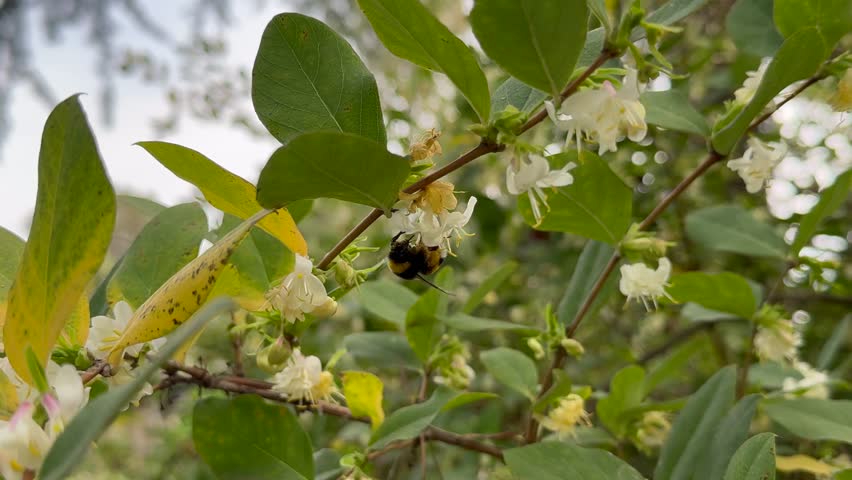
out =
column 749, row 23
column 693, row 430
column 731, row 228
column 593, row 259
column 307, row 78
column 730, row 434
column 598, row 205
column 811, row 418
column 11, row 250
column 466, row 398
column 754, row 460
column 843, row 475
column 333, row 165
column 364, row 393
column 673, row 367
column 674, row 10
column 71, row 230
column 834, row 344
column 512, row 369
column 467, row 323
column 517, row 94
column 254, row 266
column 489, row 284
column 830, row 200
column 626, row 391
column 410, row 31
column 225, row 190
column 536, row 41
column 696, row 313
column 327, row 464
column 388, row 300
column 422, row 328
column 671, row 109
column 561, row 460
column 561, row 387
column 408, row 422
column 71, row 446
column 388, row 350
column 245, row 437
column 167, row 243
column 799, row 57
column 724, row 292
column 833, row 18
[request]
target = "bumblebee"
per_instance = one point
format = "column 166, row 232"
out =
column 409, row 258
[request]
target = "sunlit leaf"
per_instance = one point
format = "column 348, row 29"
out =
column 536, row 41
column 71, row 229
column 332, row 165
column 363, row 392
column 306, row 78
column 225, row 191
column 245, row 437
column 410, row 31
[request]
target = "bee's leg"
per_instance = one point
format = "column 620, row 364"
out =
column 395, row 237
column 427, row 282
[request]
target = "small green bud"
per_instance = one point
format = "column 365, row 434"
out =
column 274, row 357
column 345, row 275
column 572, row 347
column 535, row 346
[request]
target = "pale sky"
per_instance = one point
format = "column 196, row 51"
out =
column 69, row 66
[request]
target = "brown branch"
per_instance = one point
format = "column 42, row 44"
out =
column 679, row 338
column 178, row 374
column 480, row 150
column 98, row 368
column 801, row 88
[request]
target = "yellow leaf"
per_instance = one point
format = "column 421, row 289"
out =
column 76, row 331
column 71, row 230
column 803, row 463
column 225, row 191
column 183, row 294
column 363, row 392
column 8, row 397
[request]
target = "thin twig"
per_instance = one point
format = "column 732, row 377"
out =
column 98, row 368
column 480, row 150
column 679, row 338
column 178, row 374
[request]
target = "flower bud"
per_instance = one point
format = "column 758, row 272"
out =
column 573, row 347
column 325, row 310
column 274, row 357
column 537, row 349
column 345, row 275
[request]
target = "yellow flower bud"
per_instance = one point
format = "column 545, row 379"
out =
column 842, row 98
column 573, row 347
column 325, row 310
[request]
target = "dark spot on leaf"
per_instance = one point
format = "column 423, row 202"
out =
column 175, row 321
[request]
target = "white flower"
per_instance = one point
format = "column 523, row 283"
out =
column 23, row 443
column 641, row 282
column 304, row 379
column 532, row 177
column 458, row 374
column 756, row 165
column 652, row 431
column 434, row 230
column 124, row 375
column 813, row 383
column 603, row 115
column 777, row 341
column 299, row 293
column 567, row 415
column 105, row 332
column 744, row 94
column 69, row 396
